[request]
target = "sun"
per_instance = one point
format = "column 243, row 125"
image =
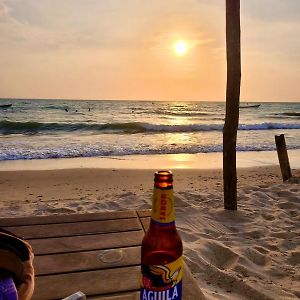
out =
column 180, row 47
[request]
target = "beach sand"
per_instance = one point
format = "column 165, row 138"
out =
column 251, row 253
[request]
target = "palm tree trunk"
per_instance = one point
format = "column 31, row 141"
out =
column 233, row 49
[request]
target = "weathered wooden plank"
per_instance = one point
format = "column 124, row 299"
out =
column 90, row 283
column 86, row 242
column 144, row 213
column 145, row 223
column 34, row 220
column 89, row 260
column 191, row 290
column 104, row 282
column 123, row 296
column 102, row 265
column 68, row 229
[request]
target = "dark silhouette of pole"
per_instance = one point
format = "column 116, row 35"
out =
column 283, row 157
column 233, row 50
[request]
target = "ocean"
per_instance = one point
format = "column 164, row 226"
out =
column 40, row 129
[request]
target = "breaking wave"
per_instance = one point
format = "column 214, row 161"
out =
column 9, row 127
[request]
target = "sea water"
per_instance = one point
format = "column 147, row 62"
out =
column 39, row 129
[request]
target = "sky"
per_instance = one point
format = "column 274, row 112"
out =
column 124, row 49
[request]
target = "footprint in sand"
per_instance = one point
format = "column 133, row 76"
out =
column 179, row 202
column 257, row 257
column 285, row 234
column 262, row 250
column 219, row 255
column 288, row 205
column 187, row 235
column 294, row 258
column 293, row 213
column 254, row 234
column 268, row 216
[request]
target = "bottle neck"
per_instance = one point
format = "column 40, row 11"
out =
column 163, row 212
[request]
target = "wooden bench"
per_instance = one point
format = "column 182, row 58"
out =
column 97, row 254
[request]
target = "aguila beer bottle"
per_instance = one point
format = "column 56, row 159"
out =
column 162, row 263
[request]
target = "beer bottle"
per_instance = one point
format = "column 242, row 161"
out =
column 162, row 263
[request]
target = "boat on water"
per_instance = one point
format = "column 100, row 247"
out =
column 250, row 106
column 5, row 105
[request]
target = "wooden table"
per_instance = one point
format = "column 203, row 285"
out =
column 98, row 254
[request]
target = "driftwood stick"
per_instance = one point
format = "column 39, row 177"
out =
column 283, row 157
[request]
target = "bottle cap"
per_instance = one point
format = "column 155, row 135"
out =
column 165, row 176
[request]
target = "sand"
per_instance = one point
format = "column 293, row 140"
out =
column 252, row 253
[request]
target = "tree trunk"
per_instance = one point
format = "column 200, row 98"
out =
column 233, row 49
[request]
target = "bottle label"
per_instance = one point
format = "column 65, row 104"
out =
column 163, row 206
column 162, row 281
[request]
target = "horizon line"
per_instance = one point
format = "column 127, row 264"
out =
column 148, row 100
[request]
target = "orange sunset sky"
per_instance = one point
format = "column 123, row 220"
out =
column 125, row 49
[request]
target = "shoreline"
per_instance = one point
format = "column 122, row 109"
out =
column 199, row 161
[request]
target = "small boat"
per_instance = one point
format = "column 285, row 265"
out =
column 250, row 106
column 5, row 105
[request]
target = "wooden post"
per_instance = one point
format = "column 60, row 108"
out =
column 283, row 157
column 233, row 50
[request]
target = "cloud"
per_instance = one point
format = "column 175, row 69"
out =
column 272, row 10
column 3, row 11
column 48, row 25
column 55, row 24
column 30, row 25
